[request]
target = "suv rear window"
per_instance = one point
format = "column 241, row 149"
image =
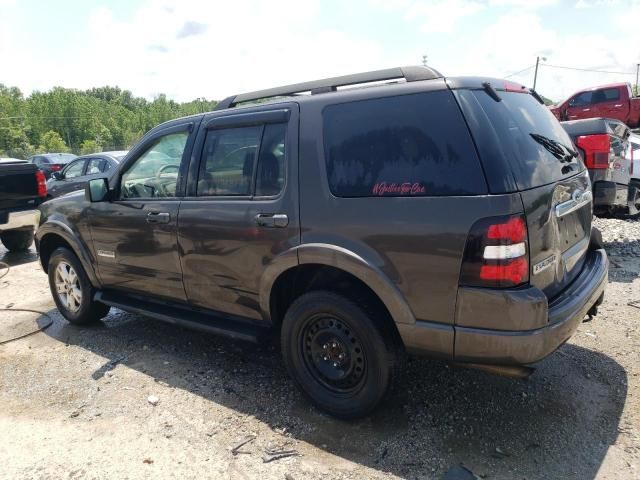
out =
column 525, row 134
column 409, row 145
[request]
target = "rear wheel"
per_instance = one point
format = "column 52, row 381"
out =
column 17, row 240
column 337, row 353
column 71, row 289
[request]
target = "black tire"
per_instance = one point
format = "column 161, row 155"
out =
column 86, row 310
column 17, row 240
column 319, row 327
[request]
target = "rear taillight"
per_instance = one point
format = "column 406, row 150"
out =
column 496, row 254
column 42, row 184
column 597, row 149
column 56, row 167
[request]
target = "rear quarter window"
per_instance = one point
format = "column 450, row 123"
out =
column 410, row 145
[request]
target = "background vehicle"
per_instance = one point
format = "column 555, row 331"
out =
column 444, row 217
column 51, row 162
column 604, row 145
column 633, row 156
column 607, row 101
column 75, row 174
column 22, row 189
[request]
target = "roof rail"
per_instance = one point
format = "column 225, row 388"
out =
column 410, row 74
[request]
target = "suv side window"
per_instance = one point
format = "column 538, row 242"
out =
column 74, row 169
column 228, row 161
column 401, row 146
column 154, row 174
column 271, row 166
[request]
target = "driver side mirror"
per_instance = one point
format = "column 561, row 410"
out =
column 97, row 190
column 57, row 175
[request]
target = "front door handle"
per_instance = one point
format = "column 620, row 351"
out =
column 272, row 220
column 158, row 217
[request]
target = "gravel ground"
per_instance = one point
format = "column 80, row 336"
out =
column 76, row 402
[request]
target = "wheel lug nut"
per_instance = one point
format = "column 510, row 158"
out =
column 325, row 346
column 341, row 356
column 334, row 345
column 335, row 364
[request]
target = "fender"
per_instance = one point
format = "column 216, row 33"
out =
column 52, row 226
column 342, row 259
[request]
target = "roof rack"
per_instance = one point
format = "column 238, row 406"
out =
column 410, row 74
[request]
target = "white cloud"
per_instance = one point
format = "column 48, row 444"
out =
column 188, row 49
column 522, row 4
column 442, row 16
column 240, row 47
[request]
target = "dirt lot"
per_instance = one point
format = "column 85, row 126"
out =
column 74, row 402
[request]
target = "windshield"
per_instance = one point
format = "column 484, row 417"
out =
column 532, row 141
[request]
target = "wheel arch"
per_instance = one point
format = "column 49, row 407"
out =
column 52, row 235
column 327, row 262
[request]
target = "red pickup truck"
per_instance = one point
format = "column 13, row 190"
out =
column 607, row 101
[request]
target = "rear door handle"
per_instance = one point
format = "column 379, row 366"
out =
column 158, row 217
column 272, row 220
column 618, row 106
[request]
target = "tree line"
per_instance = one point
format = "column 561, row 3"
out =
column 82, row 121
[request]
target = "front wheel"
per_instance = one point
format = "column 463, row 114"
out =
column 71, row 289
column 17, row 240
column 337, row 353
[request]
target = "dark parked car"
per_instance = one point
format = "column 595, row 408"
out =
column 51, row 162
column 75, row 175
column 423, row 215
column 603, row 144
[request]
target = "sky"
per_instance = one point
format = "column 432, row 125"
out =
column 188, row 49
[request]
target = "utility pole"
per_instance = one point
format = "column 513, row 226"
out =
column 637, row 87
column 424, row 61
column 535, row 75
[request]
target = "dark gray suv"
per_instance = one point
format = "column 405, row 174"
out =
column 417, row 214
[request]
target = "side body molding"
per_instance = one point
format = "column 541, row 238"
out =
column 56, row 227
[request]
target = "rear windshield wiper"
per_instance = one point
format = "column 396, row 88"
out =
column 557, row 149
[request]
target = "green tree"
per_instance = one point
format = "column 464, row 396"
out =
column 89, row 146
column 109, row 116
column 51, row 141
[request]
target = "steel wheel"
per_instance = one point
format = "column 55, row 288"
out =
column 68, row 287
column 333, row 354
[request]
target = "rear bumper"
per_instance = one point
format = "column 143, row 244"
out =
column 537, row 328
column 610, row 194
column 564, row 315
column 21, row 220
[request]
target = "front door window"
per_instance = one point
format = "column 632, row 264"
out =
column 155, row 173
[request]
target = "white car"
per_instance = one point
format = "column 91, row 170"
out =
column 634, row 153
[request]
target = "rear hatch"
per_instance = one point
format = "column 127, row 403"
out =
column 524, row 149
column 18, row 187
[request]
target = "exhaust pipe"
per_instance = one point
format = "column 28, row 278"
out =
column 511, row 371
